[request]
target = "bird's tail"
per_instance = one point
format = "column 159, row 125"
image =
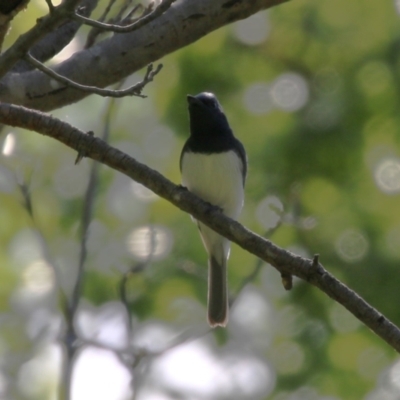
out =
column 217, row 293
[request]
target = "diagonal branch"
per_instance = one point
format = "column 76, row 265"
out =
column 134, row 90
column 44, row 25
column 284, row 261
column 95, row 32
column 57, row 39
column 8, row 10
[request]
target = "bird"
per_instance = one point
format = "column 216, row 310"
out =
column 213, row 166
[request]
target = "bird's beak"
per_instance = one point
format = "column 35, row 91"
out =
column 192, row 100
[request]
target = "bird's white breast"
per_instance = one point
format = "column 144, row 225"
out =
column 216, row 178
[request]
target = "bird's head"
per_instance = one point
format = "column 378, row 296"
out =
column 205, row 101
column 206, row 115
column 208, row 122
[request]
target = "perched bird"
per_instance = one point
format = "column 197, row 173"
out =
column 214, row 165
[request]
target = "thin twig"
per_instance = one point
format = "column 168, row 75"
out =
column 134, row 90
column 56, row 40
column 138, row 267
column 87, row 213
column 127, row 28
column 138, row 354
column 71, row 335
column 27, row 204
column 121, row 12
column 27, row 199
column 122, row 288
column 95, row 32
column 50, row 5
column 107, row 10
column 251, row 277
column 69, row 339
column 130, row 13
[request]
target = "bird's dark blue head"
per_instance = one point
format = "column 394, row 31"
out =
column 204, row 99
column 209, row 129
column 206, row 116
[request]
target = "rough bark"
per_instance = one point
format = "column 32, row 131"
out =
column 119, row 56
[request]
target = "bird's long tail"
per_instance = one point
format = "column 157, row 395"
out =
column 217, row 293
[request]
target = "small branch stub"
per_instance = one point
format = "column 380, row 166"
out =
column 287, row 281
column 315, row 262
column 82, row 153
column 50, row 5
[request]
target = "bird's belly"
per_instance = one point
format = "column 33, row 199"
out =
column 216, row 178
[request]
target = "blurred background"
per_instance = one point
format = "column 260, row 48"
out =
column 312, row 89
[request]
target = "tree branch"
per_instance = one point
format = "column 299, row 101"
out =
column 44, row 25
column 12, row 7
column 57, row 39
column 8, row 10
column 115, row 58
column 71, row 338
column 95, row 32
column 285, row 262
column 134, row 90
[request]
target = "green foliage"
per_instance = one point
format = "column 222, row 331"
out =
column 333, row 163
